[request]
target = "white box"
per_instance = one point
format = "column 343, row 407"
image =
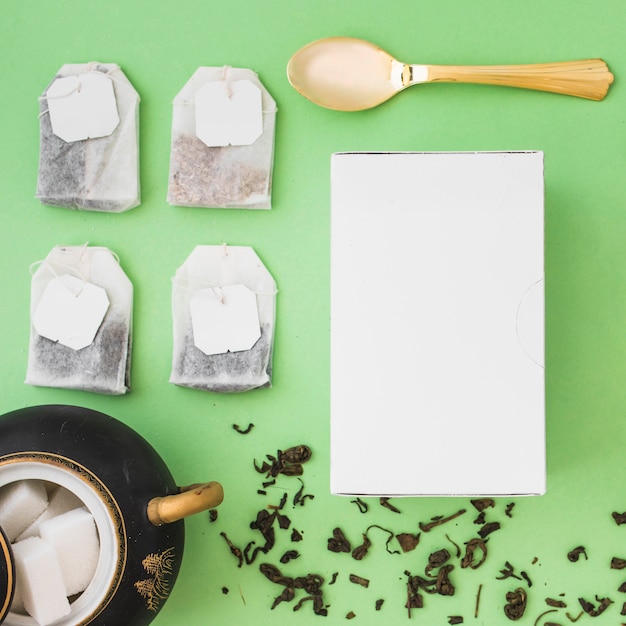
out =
column 437, row 324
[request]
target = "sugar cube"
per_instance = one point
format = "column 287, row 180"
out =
column 20, row 504
column 61, row 501
column 40, row 580
column 75, row 538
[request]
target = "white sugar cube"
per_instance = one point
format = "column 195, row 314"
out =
column 20, row 504
column 61, row 501
column 40, row 580
column 75, row 538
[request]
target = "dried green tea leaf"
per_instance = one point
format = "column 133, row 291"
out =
column 574, row 555
column 617, row 563
column 487, row 529
column 385, row 502
column 243, row 431
column 469, row 560
column 360, row 551
column 557, row 604
column 516, row 604
column 363, row 506
column 357, row 580
column 338, row 542
column 591, row 609
column 408, row 541
column 480, row 504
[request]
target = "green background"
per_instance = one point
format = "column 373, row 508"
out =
column 159, row 46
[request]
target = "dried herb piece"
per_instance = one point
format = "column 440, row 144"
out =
column 507, row 572
column 379, row 604
column 338, row 542
column 363, row 506
column 574, row 555
column 443, row 586
column 622, row 588
column 261, row 492
column 539, row 617
column 290, row 555
column 287, row 463
column 525, row 576
column 620, row 518
column 350, row 615
column 225, row 590
column 487, row 529
column 480, row 588
column 470, row 548
column 480, row 504
column 592, row 610
column 480, row 520
column 516, row 604
column 439, row 520
column 408, row 541
column 357, row 580
column 623, row 611
column 574, row 619
column 243, row 431
column 509, row 509
column 557, row 604
column 295, row 536
column 360, row 551
column 234, row 549
column 301, row 497
column 318, row 604
column 435, row 560
column 287, row 595
column 455, row 619
column 213, row 515
column 311, row 584
column 333, row 578
column 385, row 502
column 456, row 545
column 390, row 537
column 617, row 563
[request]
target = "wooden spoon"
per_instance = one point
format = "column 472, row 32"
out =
column 349, row 74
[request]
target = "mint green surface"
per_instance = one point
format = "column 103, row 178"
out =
column 159, row 46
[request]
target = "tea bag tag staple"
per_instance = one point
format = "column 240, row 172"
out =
column 229, row 113
column 225, row 319
column 82, row 106
column 70, row 311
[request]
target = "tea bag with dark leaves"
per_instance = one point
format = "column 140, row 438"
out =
column 81, row 318
column 223, row 303
column 89, row 154
column 222, row 141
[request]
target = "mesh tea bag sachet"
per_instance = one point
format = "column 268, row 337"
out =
column 223, row 305
column 222, row 148
column 81, row 322
column 89, row 127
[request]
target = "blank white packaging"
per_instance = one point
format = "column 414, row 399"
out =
column 40, row 581
column 81, row 321
column 222, row 150
column 223, row 305
column 89, row 148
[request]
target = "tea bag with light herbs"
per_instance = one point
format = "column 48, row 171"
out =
column 222, row 141
column 89, row 154
column 81, row 319
column 223, row 303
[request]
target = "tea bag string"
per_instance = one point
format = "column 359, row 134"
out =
column 517, row 317
column 49, row 266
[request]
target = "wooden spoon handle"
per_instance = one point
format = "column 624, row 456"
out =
column 190, row 500
column 586, row 79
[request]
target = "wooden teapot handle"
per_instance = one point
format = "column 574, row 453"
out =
column 192, row 499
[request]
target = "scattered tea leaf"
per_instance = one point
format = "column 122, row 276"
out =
column 333, row 578
column 350, row 615
column 443, row 585
column 558, row 604
column 574, row 555
column 338, row 542
column 261, row 492
column 573, row 619
column 439, row 520
column 288, row 463
column 225, row 590
column 516, row 604
column 480, row 504
column 234, row 549
column 213, row 515
column 385, row 502
column 300, row 497
column 243, row 431
column 363, row 506
column 489, row 528
column 408, row 541
column 469, row 559
column 379, row 604
column 542, row 615
column 622, row 588
column 290, row 555
column 480, row 588
column 591, row 609
column 360, row 551
column 509, row 509
column 507, row 572
column 620, row 518
column 295, row 536
column 617, row 563
column 357, row 580
column 525, row 576
column 480, row 519
column 435, row 560
column 456, row 545
column 455, row 619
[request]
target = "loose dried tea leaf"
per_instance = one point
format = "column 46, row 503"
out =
column 290, row 555
column 333, row 578
column 363, row 506
column 620, row 518
column 287, row 463
column 480, row 588
column 338, row 542
column 213, row 515
column 456, row 545
column 525, row 576
column 408, row 541
column 516, row 604
column 350, row 615
column 542, row 615
column 311, row 583
column 558, row 604
column 435, row 560
column 261, row 492
column 225, row 590
column 623, row 611
column 243, row 431
column 470, row 548
column 301, row 497
column 617, row 563
column 287, row 595
column 509, row 509
column 574, row 555
column 622, row 588
column 385, row 502
column 443, row 586
column 379, row 604
column 357, row 580
column 390, row 537
column 480, row 520
column 318, row 605
column 360, row 551
column 455, row 619
column 487, row 529
column 439, row 520
column 234, row 549
column 480, row 504
column 591, row 609
column 508, row 572
column 574, row 619
column 295, row 536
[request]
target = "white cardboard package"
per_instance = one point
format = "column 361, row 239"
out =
column 437, row 324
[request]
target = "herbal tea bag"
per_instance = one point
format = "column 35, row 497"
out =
column 89, row 154
column 223, row 304
column 81, row 320
column 222, row 141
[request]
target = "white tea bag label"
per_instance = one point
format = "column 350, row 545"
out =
column 225, row 319
column 82, row 107
column 229, row 113
column 70, row 311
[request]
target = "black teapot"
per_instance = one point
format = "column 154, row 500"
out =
column 137, row 508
